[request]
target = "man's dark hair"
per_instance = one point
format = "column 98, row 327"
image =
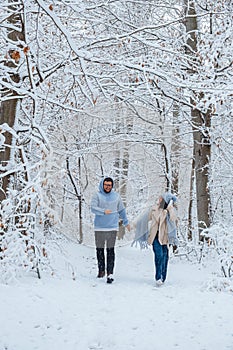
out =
column 108, row 179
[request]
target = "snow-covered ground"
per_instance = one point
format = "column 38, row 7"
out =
column 85, row 313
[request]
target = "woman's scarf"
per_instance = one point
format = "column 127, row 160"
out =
column 171, row 225
column 142, row 229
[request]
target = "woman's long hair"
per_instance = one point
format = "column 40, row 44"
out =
column 163, row 204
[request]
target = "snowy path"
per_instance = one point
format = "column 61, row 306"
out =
column 131, row 314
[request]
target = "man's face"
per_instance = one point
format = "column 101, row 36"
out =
column 107, row 186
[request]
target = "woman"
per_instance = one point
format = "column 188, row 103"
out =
column 162, row 232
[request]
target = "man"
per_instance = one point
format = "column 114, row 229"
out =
column 107, row 206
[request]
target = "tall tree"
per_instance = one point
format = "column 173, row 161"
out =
column 9, row 95
column 201, row 123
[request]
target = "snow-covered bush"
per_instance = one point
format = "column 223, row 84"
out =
column 220, row 243
column 22, row 235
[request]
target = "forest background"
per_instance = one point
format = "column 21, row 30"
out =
column 138, row 90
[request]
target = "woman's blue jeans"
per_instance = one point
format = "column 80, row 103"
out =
column 161, row 260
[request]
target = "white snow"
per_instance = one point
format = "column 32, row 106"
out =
column 61, row 313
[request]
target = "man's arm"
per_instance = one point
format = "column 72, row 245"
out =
column 122, row 214
column 95, row 208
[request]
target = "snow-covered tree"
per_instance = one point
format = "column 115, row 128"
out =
column 67, row 64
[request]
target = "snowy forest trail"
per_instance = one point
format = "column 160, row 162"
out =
column 131, row 314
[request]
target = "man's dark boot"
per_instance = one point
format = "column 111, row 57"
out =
column 101, row 263
column 110, row 278
column 101, row 274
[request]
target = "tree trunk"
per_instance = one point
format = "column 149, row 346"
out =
column 121, row 165
column 190, row 207
column 8, row 107
column 202, row 153
column 201, row 124
column 175, row 150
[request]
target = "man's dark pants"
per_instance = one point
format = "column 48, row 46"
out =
column 108, row 239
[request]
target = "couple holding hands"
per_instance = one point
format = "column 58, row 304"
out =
column 108, row 207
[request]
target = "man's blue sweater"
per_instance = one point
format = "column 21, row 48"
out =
column 102, row 201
